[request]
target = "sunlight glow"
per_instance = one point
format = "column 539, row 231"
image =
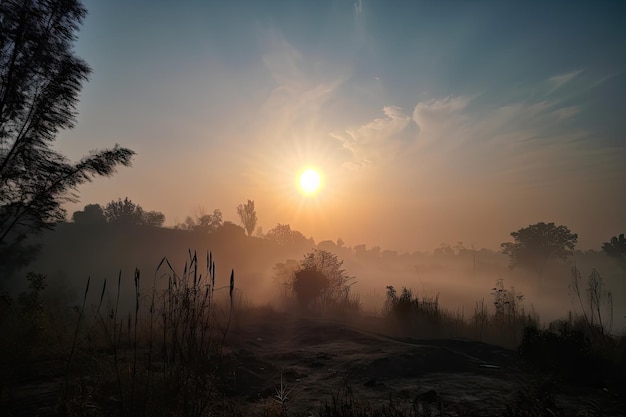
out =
column 310, row 181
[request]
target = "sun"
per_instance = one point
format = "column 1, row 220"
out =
column 310, row 181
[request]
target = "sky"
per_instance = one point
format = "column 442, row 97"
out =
column 429, row 122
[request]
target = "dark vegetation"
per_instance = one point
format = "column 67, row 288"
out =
column 159, row 343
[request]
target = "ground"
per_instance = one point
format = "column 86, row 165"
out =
column 314, row 358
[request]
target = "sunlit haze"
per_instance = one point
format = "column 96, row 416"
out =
column 429, row 122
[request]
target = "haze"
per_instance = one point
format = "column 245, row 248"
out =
column 430, row 122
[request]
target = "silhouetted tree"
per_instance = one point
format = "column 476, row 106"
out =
column 536, row 244
column 360, row 250
column 328, row 245
column 616, row 248
column 210, row 222
column 153, row 218
column 444, row 250
column 207, row 223
column 40, row 79
column 285, row 236
column 126, row 212
column 229, row 229
column 91, row 214
column 247, row 214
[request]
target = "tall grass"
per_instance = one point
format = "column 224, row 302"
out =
column 164, row 360
column 425, row 318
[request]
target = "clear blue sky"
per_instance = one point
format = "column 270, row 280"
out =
column 430, row 122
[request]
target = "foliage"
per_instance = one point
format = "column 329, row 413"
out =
column 247, row 214
column 23, row 326
column 409, row 310
column 125, row 212
column 320, row 278
column 284, row 273
column 506, row 301
column 595, row 301
column 535, row 398
column 536, row 244
column 616, row 248
column 206, row 223
column 562, row 349
column 309, row 284
column 160, row 359
column 40, row 81
column 91, row 214
column 285, row 236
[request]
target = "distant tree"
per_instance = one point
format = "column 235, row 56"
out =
column 284, row 273
column 247, row 214
column 389, row 255
column 123, row 211
column 229, row 229
column 285, row 236
column 360, row 250
column 207, row 223
column 616, row 248
column 328, row 245
column 153, row 218
column 40, row 82
column 444, row 250
column 126, row 212
column 539, row 243
column 91, row 214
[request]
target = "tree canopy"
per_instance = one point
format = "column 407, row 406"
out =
column 40, row 82
column 125, row 212
column 539, row 243
column 285, row 236
column 616, row 248
column 91, row 214
column 247, row 214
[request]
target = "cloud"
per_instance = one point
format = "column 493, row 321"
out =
column 378, row 140
column 450, row 140
column 299, row 89
column 560, row 80
column 358, row 6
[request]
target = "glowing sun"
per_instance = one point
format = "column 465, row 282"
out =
column 310, row 181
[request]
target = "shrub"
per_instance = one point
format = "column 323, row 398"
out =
column 308, row 284
column 564, row 350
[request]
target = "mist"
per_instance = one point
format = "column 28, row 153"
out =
column 459, row 276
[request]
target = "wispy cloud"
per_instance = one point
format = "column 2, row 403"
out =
column 376, row 141
column 560, row 80
column 528, row 144
column 358, row 6
column 298, row 92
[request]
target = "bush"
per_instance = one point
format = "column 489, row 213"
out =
column 308, row 285
column 564, row 350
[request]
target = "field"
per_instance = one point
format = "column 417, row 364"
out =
column 196, row 348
